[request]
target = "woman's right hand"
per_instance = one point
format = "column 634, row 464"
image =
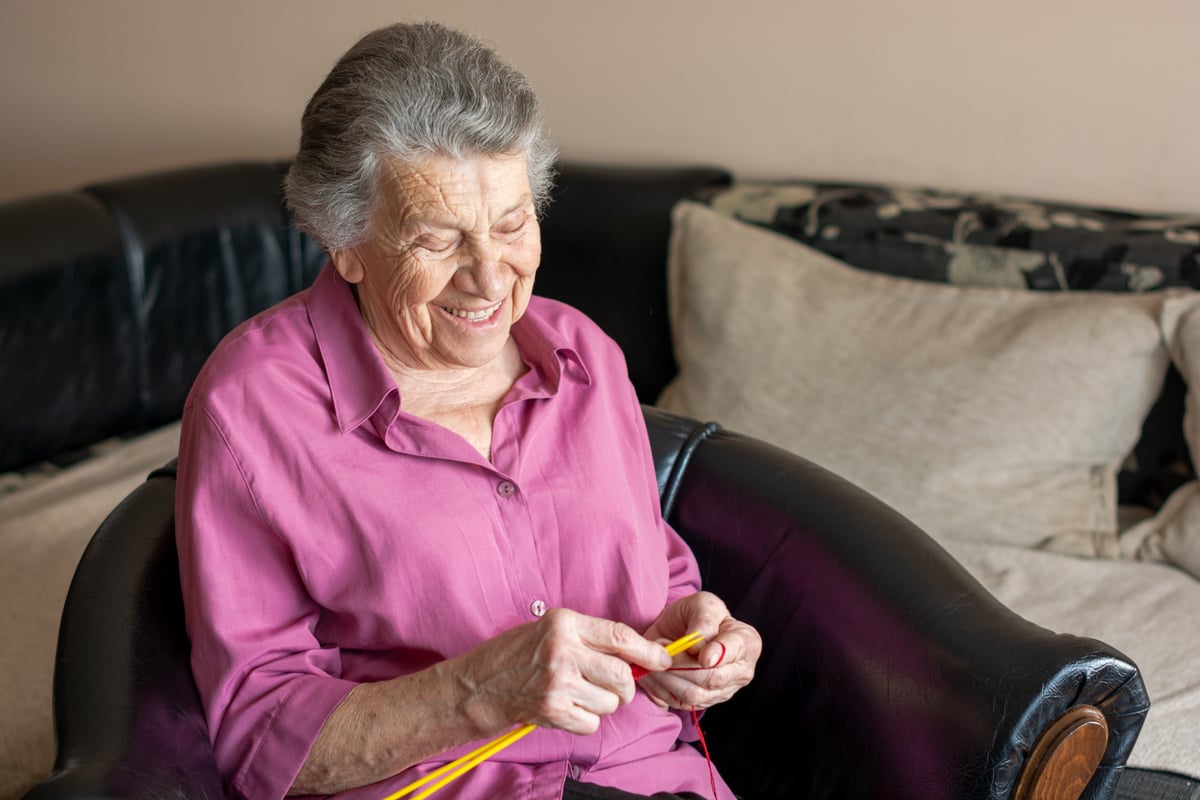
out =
column 565, row 671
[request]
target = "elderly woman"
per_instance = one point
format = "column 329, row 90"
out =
column 416, row 504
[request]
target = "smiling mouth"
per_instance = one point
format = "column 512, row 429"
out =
column 473, row 316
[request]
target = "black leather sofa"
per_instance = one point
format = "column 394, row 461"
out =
column 888, row 672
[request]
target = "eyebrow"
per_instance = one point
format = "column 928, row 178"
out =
column 413, row 223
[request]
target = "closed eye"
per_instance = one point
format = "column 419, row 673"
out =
column 512, row 226
column 431, row 245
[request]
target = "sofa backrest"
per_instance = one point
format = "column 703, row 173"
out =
column 205, row 249
column 604, row 251
column 111, row 297
column 68, row 370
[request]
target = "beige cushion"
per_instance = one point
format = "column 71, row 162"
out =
column 1173, row 535
column 44, row 527
column 983, row 414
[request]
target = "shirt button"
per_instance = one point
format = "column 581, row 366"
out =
column 506, row 488
column 538, row 608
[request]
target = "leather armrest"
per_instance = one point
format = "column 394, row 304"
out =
column 887, row 671
column 126, row 712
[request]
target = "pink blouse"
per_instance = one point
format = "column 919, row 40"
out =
column 328, row 538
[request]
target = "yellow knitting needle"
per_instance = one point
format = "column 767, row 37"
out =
column 464, row 764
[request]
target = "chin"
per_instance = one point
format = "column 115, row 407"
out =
column 473, row 357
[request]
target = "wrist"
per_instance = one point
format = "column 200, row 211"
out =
column 477, row 708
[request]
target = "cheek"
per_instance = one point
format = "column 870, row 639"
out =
column 525, row 266
column 412, row 284
column 527, row 259
column 523, row 287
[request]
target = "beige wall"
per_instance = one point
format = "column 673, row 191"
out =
column 1091, row 100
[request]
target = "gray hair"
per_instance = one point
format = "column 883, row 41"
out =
column 404, row 93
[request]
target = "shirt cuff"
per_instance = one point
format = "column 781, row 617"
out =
column 288, row 737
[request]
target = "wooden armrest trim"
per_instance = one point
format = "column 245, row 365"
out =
column 1065, row 756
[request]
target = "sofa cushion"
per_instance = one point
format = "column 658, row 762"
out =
column 983, row 240
column 976, row 240
column 1173, row 534
column 983, row 414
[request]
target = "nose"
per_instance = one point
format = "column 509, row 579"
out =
column 483, row 274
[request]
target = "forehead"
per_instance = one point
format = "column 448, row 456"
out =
column 447, row 190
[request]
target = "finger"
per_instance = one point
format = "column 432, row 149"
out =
column 712, row 654
column 597, row 700
column 611, row 674
column 658, row 701
column 576, row 720
column 691, row 682
column 622, row 641
column 735, row 642
column 575, row 704
column 699, row 689
column 599, row 636
column 704, row 612
column 675, row 692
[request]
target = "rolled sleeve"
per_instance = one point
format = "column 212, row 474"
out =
column 267, row 683
column 281, row 743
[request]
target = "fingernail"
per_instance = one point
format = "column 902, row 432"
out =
column 664, row 658
column 715, row 661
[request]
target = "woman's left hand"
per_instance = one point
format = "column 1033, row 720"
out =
column 712, row 671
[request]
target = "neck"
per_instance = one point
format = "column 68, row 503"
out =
column 465, row 401
column 435, row 391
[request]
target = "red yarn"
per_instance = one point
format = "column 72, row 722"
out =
column 641, row 672
column 712, row 776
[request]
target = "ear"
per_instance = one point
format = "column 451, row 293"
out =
column 348, row 263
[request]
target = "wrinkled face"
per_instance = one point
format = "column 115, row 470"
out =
column 450, row 264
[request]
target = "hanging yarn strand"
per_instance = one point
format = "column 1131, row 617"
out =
column 712, row 775
column 640, row 672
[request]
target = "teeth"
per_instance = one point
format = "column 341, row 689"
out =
column 472, row 316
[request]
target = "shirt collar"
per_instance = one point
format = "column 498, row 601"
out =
column 546, row 349
column 359, row 381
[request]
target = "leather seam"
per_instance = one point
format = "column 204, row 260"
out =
column 135, row 265
column 694, row 440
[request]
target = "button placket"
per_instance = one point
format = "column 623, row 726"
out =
column 531, row 582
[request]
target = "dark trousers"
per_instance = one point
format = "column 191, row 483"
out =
column 574, row 790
